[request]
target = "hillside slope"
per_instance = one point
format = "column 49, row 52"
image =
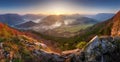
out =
column 116, row 25
column 106, row 28
column 16, row 46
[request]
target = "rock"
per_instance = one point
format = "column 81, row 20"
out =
column 47, row 57
column 100, row 49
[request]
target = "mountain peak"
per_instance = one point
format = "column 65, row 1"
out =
column 117, row 15
column 116, row 25
column 118, row 12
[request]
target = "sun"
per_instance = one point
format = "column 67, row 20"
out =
column 58, row 13
column 57, row 10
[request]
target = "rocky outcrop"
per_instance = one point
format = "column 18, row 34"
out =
column 100, row 49
column 47, row 57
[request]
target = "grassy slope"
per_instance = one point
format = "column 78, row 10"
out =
column 15, row 44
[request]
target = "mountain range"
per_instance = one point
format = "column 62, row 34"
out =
column 102, row 16
column 13, row 19
column 26, row 25
column 57, row 23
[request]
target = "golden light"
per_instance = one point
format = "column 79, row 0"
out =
column 58, row 12
column 56, row 9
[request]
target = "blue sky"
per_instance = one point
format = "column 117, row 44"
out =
column 59, row 6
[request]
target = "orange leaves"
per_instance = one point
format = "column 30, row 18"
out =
column 6, row 31
column 11, row 45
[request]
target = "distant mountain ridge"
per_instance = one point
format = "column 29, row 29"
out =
column 33, row 16
column 102, row 16
column 11, row 19
column 26, row 25
column 62, row 20
column 15, row 19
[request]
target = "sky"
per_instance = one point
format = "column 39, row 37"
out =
column 59, row 6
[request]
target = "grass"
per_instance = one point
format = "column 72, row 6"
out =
column 72, row 29
column 81, row 44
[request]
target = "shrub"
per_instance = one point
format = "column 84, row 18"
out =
column 81, row 44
